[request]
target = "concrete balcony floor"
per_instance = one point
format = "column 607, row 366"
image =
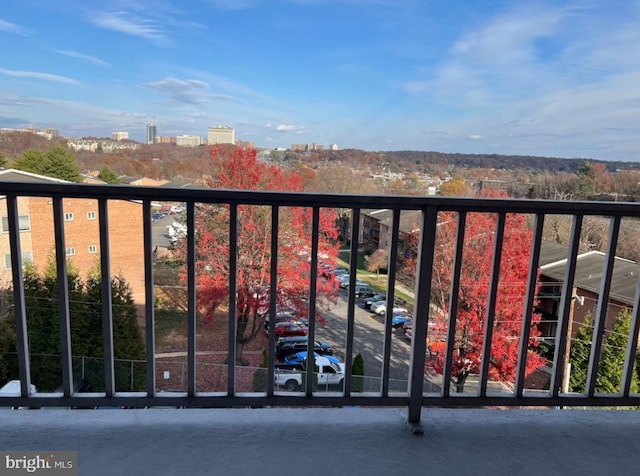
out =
column 328, row 441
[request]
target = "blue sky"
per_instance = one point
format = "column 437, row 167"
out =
column 555, row 78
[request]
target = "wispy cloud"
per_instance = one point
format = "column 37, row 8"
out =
column 496, row 59
column 12, row 28
column 285, row 128
column 36, row 75
column 189, row 91
column 233, row 4
column 82, row 56
column 125, row 22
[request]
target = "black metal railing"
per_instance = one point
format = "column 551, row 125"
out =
column 415, row 394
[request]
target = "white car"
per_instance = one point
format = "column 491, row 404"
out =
column 381, row 308
column 378, row 305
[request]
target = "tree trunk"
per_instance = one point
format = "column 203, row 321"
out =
column 239, row 351
column 459, row 383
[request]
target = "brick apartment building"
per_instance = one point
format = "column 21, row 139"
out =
column 81, row 230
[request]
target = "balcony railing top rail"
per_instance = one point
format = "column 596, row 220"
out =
column 325, row 200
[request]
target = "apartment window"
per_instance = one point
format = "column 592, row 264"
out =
column 24, row 223
column 93, row 249
column 91, row 215
column 68, row 217
column 27, row 257
column 71, row 251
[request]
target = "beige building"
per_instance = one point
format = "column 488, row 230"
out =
column 119, row 136
column 189, row 141
column 221, row 135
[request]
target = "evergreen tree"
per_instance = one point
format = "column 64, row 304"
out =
column 609, row 378
column 128, row 340
column 108, row 175
column 612, row 358
column 7, row 341
column 260, row 375
column 85, row 311
column 357, row 373
column 57, row 162
column 579, row 355
column 31, row 161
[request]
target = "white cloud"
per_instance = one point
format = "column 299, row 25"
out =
column 496, row 61
column 190, row 91
column 36, row 75
column 12, row 28
column 476, row 136
column 82, row 56
column 285, row 128
column 233, row 4
column 125, row 22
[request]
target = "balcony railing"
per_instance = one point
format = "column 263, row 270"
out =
column 416, row 391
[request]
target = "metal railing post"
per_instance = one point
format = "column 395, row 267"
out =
column 421, row 315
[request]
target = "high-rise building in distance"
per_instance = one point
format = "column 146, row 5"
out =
column 220, row 135
column 189, row 141
column 152, row 133
column 119, row 135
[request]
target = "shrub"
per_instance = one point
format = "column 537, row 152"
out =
column 357, row 373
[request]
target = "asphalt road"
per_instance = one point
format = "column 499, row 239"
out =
column 369, row 341
column 159, row 231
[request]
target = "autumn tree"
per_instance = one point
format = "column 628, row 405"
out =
column 238, row 168
column 473, row 295
column 340, row 179
column 456, row 187
column 376, row 261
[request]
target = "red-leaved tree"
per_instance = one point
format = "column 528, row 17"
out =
column 473, row 297
column 239, row 168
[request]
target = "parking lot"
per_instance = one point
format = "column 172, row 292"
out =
column 369, row 341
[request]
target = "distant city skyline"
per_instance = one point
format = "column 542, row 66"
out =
column 559, row 78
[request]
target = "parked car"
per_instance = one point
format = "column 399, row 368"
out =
column 157, row 216
column 286, row 346
column 301, row 357
column 343, row 280
column 338, row 272
column 367, row 302
column 363, row 290
column 291, row 329
column 399, row 320
column 396, row 310
column 280, row 317
column 345, row 285
column 378, row 305
column 289, row 376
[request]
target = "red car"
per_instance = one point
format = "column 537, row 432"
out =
column 286, row 329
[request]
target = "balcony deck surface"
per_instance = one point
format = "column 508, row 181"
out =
column 328, row 441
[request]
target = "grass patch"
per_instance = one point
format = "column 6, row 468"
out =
column 377, row 282
column 165, row 273
column 168, row 324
